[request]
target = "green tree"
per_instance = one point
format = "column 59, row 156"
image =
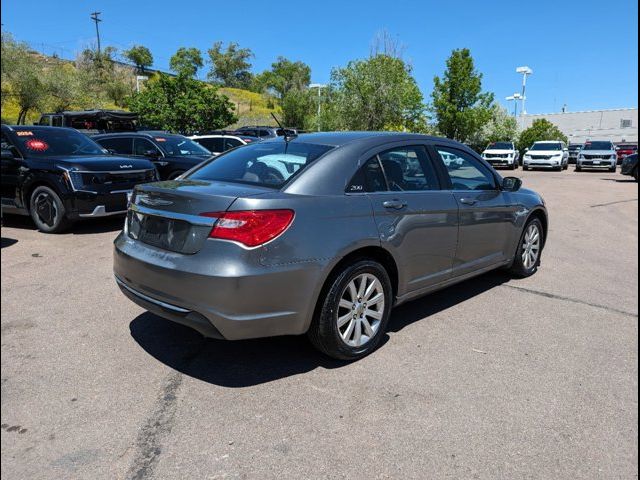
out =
column 296, row 106
column 500, row 127
column 284, row 76
column 186, row 61
column 376, row 94
column 102, row 80
column 63, row 86
column 140, row 56
column 230, row 67
column 540, row 129
column 22, row 78
column 182, row 104
column 459, row 105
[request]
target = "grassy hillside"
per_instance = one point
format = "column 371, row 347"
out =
column 251, row 108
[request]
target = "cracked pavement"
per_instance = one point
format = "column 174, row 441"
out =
column 492, row 378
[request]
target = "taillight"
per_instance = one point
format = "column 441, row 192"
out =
column 250, row 227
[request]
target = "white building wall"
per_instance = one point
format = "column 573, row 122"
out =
column 617, row 125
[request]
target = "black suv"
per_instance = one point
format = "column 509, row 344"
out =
column 172, row 154
column 58, row 175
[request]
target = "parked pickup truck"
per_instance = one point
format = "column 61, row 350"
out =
column 92, row 121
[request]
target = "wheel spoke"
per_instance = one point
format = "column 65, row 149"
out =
column 367, row 328
column 373, row 313
column 352, row 291
column 344, row 303
column 344, row 319
column 357, row 333
column 373, row 286
column 363, row 286
column 375, row 300
column 347, row 333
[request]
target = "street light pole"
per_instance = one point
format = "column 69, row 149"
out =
column 319, row 86
column 525, row 71
column 514, row 98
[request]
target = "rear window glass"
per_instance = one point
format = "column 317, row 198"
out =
column 264, row 164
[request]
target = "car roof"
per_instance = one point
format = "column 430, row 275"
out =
column 337, row 139
column 145, row 134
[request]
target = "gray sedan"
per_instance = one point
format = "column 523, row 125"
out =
column 322, row 234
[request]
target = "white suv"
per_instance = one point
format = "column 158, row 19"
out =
column 597, row 154
column 502, row 154
column 217, row 143
column 548, row 154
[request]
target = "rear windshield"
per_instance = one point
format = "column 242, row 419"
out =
column 45, row 142
column 598, row 146
column 264, row 164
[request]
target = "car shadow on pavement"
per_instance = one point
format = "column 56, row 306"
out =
column 83, row 227
column 620, row 180
column 238, row 364
column 7, row 242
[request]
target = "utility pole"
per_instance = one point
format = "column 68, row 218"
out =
column 94, row 17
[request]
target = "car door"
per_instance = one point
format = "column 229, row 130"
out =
column 417, row 221
column 10, row 169
column 486, row 213
column 143, row 148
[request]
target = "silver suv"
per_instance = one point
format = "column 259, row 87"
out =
column 597, row 154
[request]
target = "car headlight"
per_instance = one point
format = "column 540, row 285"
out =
column 614, row 157
column 581, row 157
column 527, row 157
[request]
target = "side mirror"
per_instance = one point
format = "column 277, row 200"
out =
column 152, row 154
column 511, row 184
column 112, row 151
column 7, row 154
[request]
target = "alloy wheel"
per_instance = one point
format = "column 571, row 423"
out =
column 360, row 310
column 531, row 246
column 46, row 209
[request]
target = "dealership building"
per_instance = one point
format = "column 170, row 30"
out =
column 619, row 125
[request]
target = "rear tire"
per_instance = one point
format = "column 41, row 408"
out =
column 47, row 211
column 351, row 318
column 635, row 173
column 529, row 250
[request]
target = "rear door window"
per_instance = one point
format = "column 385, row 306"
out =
column 120, row 145
column 368, row 178
column 232, row 143
column 409, row 169
column 141, row 146
column 213, row 144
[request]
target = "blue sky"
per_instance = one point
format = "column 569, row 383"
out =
column 583, row 53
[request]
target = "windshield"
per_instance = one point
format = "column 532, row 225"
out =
column 178, row 146
column 265, row 164
column 546, row 146
column 598, row 146
column 575, row 146
column 500, row 146
column 47, row 142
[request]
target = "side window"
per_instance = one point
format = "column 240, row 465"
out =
column 465, row 171
column 120, row 145
column 409, row 169
column 56, row 121
column 215, row 144
column 45, row 120
column 232, row 143
column 369, row 178
column 142, row 146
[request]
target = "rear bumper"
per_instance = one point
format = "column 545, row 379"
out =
column 220, row 292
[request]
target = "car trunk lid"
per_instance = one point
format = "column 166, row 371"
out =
column 168, row 215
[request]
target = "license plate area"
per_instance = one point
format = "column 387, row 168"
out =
column 166, row 233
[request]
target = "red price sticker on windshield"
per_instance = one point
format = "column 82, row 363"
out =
column 160, row 139
column 37, row 145
column 24, row 133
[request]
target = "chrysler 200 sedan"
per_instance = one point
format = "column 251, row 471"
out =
column 322, row 234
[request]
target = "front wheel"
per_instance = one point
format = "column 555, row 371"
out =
column 529, row 250
column 578, row 168
column 613, row 169
column 635, row 173
column 47, row 210
column 354, row 312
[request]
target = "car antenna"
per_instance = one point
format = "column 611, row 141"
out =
column 284, row 132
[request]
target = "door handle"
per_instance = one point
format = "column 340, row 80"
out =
column 468, row 201
column 396, row 204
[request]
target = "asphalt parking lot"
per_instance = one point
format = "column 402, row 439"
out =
column 492, row 378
